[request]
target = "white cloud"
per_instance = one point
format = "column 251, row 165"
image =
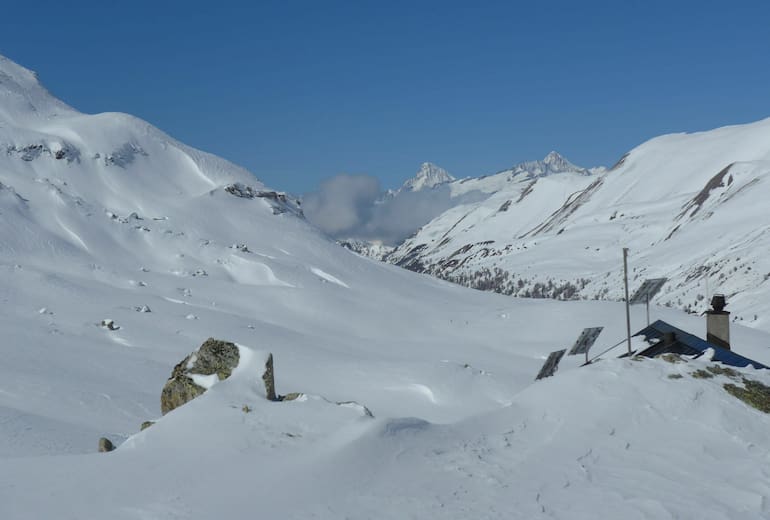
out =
column 342, row 203
column 354, row 206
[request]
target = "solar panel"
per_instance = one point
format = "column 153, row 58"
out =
column 659, row 328
column 551, row 364
column 648, row 289
column 585, row 341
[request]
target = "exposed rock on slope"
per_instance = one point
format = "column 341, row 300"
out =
column 279, row 202
column 105, row 445
column 212, row 362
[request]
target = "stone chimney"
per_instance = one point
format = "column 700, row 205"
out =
column 718, row 322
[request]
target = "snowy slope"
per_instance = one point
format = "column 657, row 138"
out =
column 690, row 207
column 459, row 428
column 620, row 440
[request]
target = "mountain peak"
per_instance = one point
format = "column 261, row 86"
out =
column 554, row 157
column 24, row 96
column 551, row 163
column 11, row 70
column 428, row 176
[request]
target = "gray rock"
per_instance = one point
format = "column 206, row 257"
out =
column 105, row 445
column 213, row 357
column 269, row 379
column 291, row 396
column 145, row 425
column 109, row 324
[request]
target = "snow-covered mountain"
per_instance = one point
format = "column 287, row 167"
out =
column 428, row 176
column 432, row 192
column 552, row 164
column 105, row 219
column 374, row 249
column 691, row 207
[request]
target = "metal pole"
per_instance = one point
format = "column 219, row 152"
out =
column 628, row 307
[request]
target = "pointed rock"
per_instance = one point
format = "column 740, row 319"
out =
column 105, row 445
column 269, row 379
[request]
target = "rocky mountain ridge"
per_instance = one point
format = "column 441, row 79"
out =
column 689, row 206
column 433, row 191
column 428, row 176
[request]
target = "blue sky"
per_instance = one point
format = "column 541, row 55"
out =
column 301, row 91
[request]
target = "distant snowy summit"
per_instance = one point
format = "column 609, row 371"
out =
column 429, row 176
column 433, row 191
column 553, row 163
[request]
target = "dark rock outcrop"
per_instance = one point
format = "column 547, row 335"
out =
column 213, row 357
column 105, row 445
column 269, row 379
column 109, row 324
column 278, row 201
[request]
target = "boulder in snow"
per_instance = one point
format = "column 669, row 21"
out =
column 105, row 445
column 109, row 324
column 188, row 379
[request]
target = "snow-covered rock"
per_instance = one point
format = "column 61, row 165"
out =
column 210, row 363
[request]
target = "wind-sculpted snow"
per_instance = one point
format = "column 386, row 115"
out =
column 414, row 398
